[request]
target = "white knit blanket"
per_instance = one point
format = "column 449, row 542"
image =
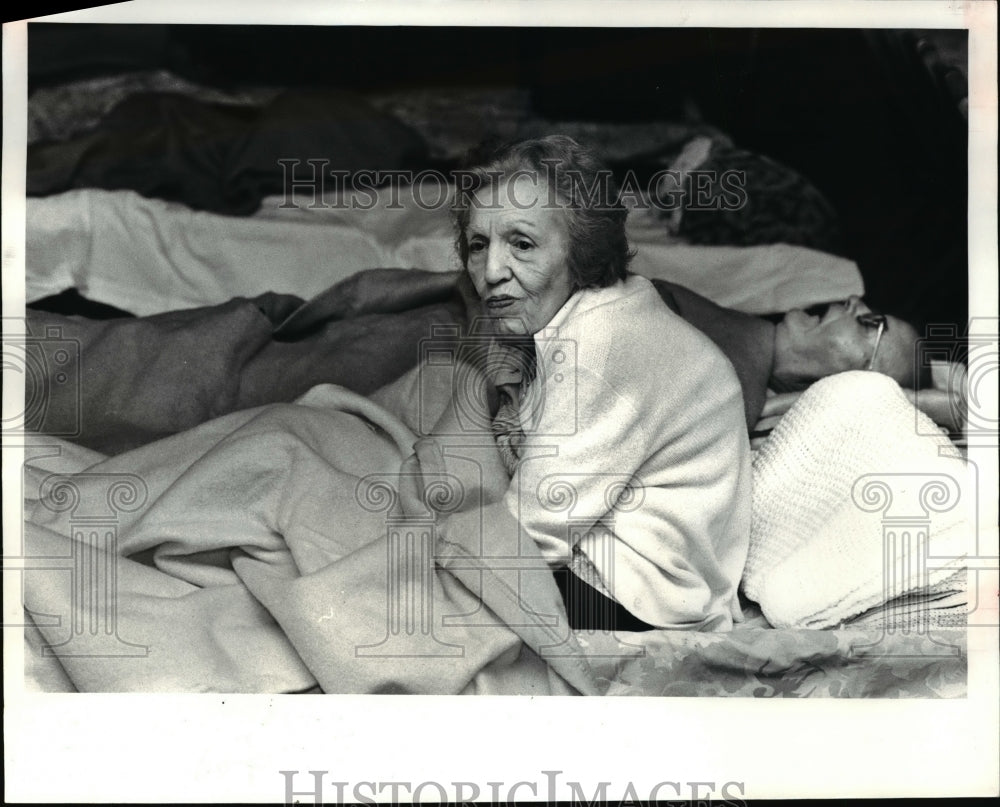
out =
column 857, row 501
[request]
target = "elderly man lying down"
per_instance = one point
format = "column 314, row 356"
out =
column 148, row 377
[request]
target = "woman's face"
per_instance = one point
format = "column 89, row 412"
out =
column 811, row 347
column 518, row 254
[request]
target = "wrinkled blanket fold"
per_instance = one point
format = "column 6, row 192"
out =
column 224, row 157
column 130, row 381
column 273, row 556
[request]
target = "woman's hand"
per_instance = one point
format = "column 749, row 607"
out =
column 433, row 482
column 418, row 475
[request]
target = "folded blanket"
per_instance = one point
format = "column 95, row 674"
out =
column 939, row 605
column 858, row 499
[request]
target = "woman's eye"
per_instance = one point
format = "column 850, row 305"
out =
column 522, row 244
column 477, row 246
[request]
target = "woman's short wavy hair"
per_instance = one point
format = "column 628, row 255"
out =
column 580, row 180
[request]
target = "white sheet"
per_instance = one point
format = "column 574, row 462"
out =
column 147, row 255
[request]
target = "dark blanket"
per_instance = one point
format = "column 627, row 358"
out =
column 129, row 381
column 747, row 341
column 225, row 157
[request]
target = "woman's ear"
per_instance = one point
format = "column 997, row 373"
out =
column 470, row 298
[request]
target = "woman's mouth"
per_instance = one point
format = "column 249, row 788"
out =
column 500, row 301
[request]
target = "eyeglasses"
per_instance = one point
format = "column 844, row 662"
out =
column 881, row 323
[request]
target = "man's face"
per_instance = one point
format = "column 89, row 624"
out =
column 809, row 347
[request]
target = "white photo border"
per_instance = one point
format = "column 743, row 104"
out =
column 211, row 748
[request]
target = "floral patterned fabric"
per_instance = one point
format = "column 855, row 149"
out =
column 757, row 662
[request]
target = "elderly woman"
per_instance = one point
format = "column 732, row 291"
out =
column 632, row 476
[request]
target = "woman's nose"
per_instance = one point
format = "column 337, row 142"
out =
column 497, row 268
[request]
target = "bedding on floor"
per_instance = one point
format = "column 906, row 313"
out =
column 265, row 551
column 148, row 256
column 261, row 548
column 246, row 483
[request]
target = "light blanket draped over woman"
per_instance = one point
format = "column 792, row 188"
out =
column 272, row 566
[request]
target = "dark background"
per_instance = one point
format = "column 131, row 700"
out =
column 858, row 112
